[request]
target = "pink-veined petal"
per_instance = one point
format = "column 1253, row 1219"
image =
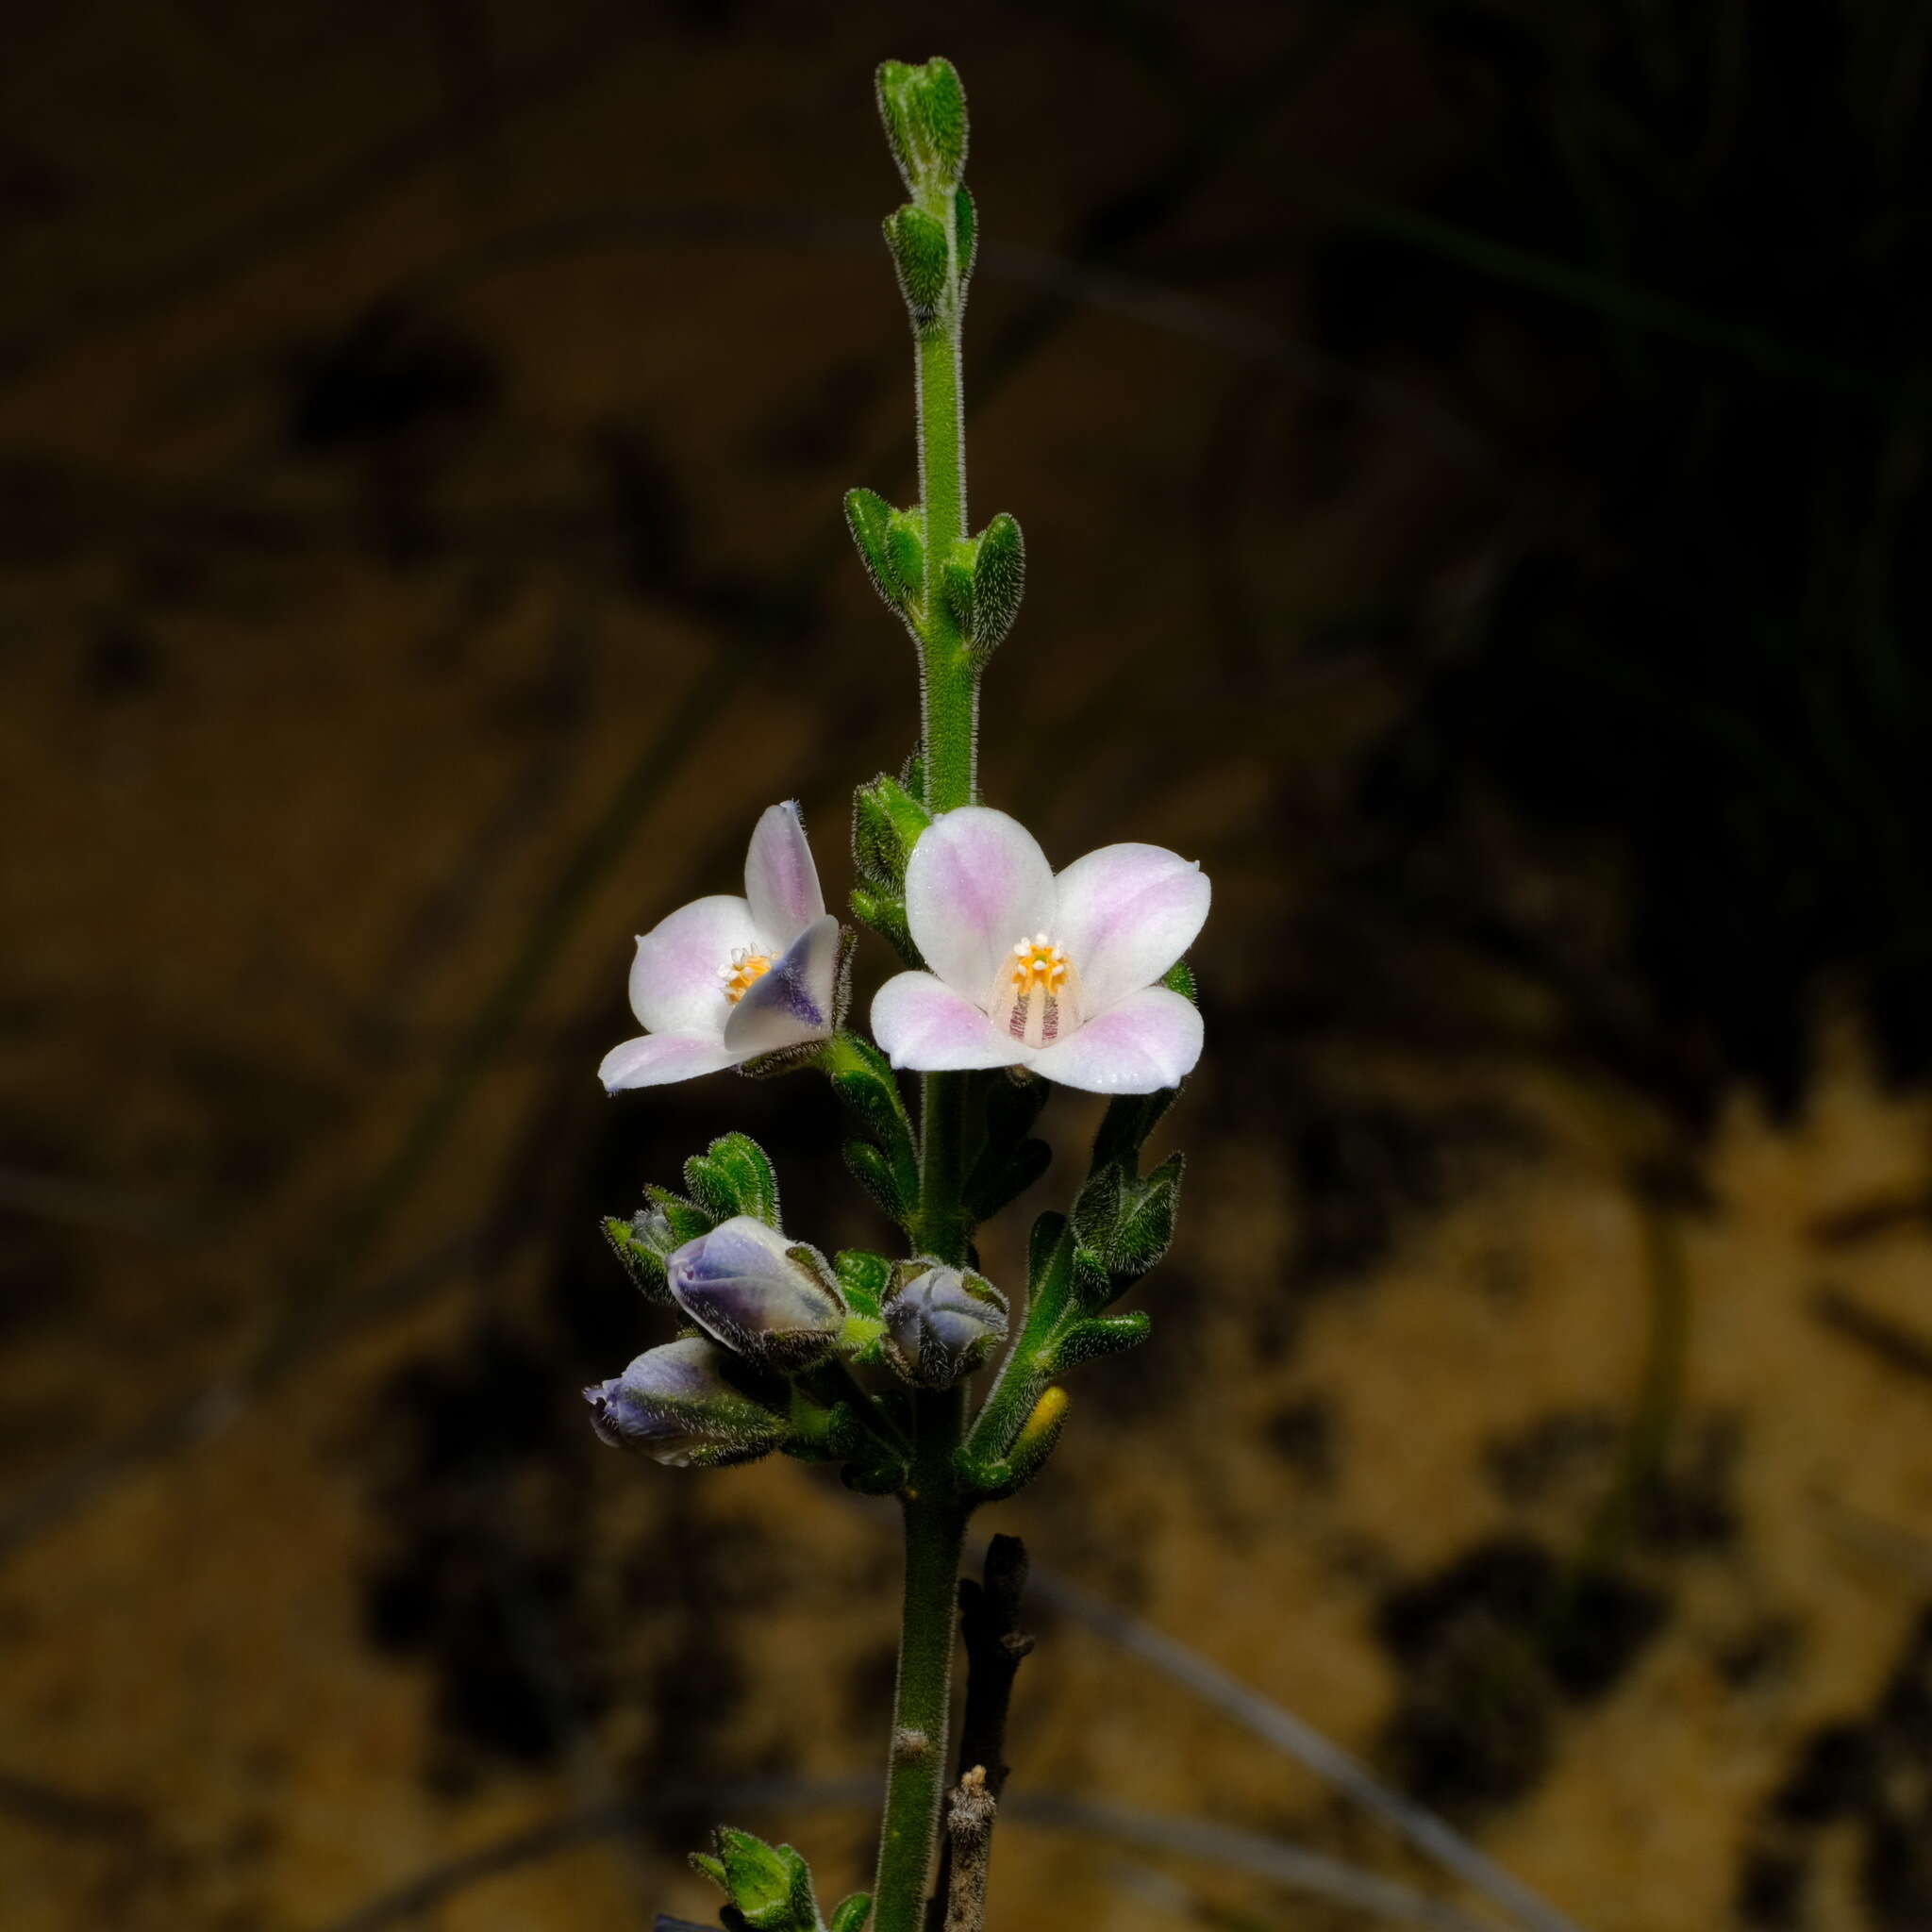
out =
column 781, row 883
column 675, row 985
column 1126, row 914
column 793, row 1003
column 1150, row 1039
column 653, row 1059
column 920, row 1023
column 976, row 884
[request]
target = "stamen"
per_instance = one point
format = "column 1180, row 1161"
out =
column 743, row 968
column 1036, row 996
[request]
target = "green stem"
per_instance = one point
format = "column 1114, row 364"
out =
column 915, row 1777
column 949, row 677
column 941, row 1230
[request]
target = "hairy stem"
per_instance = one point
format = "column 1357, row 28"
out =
column 949, row 677
column 915, row 1777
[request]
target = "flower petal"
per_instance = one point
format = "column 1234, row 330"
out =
column 976, row 883
column 1150, row 1039
column 654, row 1058
column 780, row 880
column 1126, row 914
column 793, row 1003
column 920, row 1023
column 674, row 981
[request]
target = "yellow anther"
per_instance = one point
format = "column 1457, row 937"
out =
column 746, row 967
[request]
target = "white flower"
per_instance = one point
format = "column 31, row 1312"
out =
column 1057, row 973
column 724, row 980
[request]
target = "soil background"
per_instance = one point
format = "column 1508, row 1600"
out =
column 1471, row 460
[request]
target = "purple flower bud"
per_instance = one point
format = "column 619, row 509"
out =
column 943, row 1324
column 767, row 1298
column 676, row 1405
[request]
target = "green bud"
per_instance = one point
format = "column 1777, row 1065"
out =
column 733, row 1177
column 923, row 111
column 923, row 256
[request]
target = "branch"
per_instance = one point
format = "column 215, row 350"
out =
column 989, row 1624
column 969, row 1839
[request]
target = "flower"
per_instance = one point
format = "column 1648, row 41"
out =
column 758, row 1293
column 678, row 1404
column 943, row 1324
column 1060, row 973
column 725, row 979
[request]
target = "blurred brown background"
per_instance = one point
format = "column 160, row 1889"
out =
column 1471, row 458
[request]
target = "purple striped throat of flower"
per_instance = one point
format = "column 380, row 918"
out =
column 1036, row 995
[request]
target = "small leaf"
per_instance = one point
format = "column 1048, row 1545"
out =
column 922, row 257
column 863, row 1280
column 905, row 553
column 874, row 1172
column 1098, row 1335
column 999, row 579
column 886, row 822
column 642, row 1261
column 1179, row 977
column 733, row 1177
column 682, row 1221
column 869, row 516
column 885, row 914
column 850, row 1914
column 923, row 111
column 955, row 587
column 1126, row 1125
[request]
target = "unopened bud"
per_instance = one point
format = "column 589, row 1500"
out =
column 943, row 1324
column 678, row 1404
column 759, row 1295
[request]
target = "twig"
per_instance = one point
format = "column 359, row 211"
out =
column 969, row 1838
column 995, row 1645
column 1286, row 1732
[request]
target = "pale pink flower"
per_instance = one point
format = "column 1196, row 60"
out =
column 1058, row 973
column 725, row 979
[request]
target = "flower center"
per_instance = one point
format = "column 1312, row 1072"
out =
column 1036, row 995
column 744, row 967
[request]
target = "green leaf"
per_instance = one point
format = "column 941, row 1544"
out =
column 1179, row 977
column 869, row 516
column 999, row 577
column 955, row 587
column 923, row 111
column 682, row 1221
column 922, row 258
column 850, row 1914
column 770, row 1885
column 643, row 1261
column 886, row 822
column 1088, row 1340
column 885, row 914
column 863, row 1278
column 733, row 1177
column 905, row 553
column 863, row 1079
